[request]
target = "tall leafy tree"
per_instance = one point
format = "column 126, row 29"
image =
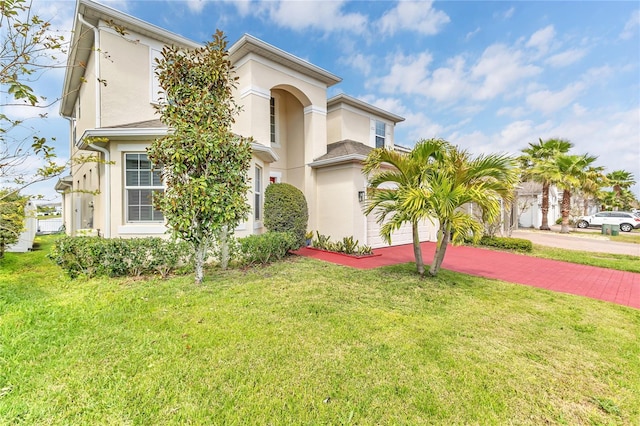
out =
column 620, row 180
column 593, row 181
column 532, row 163
column 28, row 47
column 436, row 180
column 204, row 164
column 568, row 172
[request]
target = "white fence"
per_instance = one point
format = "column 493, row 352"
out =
column 49, row 226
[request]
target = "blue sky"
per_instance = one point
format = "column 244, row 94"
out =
column 487, row 76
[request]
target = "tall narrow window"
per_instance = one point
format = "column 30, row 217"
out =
column 272, row 119
column 380, row 134
column 257, row 191
column 141, row 181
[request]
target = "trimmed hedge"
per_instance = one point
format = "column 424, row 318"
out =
column 116, row 257
column 267, row 247
column 507, row 243
column 285, row 210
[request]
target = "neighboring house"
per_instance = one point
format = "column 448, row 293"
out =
column 529, row 205
column 301, row 138
column 26, row 237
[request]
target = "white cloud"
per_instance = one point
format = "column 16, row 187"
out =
column 566, row 58
column 578, row 110
column 509, row 13
column 511, row 111
column 471, row 34
column 632, row 25
column 447, row 83
column 325, row 16
column 498, row 70
column 414, row 16
column 406, row 73
column 549, row 102
column 196, row 6
column 361, row 63
column 541, row 40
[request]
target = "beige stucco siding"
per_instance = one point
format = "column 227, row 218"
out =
column 340, row 214
column 85, row 108
column 126, row 64
column 351, row 125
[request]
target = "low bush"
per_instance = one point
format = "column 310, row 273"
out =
column 507, row 243
column 285, row 210
column 116, row 257
column 268, row 247
column 347, row 245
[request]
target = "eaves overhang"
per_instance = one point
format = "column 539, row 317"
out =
column 341, row 98
column 265, row 153
column 120, row 134
column 82, row 40
column 249, row 44
column 327, row 162
column 64, row 184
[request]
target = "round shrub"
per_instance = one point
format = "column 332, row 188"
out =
column 285, row 210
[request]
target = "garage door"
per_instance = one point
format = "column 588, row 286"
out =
column 426, row 230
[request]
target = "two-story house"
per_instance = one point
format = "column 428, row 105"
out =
column 301, row 137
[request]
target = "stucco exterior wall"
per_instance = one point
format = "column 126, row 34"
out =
column 337, row 192
column 127, row 66
column 85, row 107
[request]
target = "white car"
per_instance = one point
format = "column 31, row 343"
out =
column 626, row 220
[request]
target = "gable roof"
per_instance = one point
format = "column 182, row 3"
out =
column 89, row 13
column 337, row 100
column 345, row 151
column 82, row 41
column 248, row 44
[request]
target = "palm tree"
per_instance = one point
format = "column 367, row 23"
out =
column 437, row 179
column 388, row 184
column 594, row 180
column 620, row 180
column 531, row 162
column 568, row 172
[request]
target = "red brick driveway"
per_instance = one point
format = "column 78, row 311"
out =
column 610, row 285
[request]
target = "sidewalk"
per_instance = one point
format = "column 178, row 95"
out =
column 609, row 285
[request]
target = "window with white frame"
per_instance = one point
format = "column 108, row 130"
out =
column 381, row 129
column 257, row 192
column 272, row 119
column 141, row 182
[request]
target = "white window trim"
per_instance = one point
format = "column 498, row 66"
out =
column 376, row 135
column 257, row 222
column 277, row 99
column 126, row 195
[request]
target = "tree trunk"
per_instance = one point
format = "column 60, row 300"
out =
column 223, row 240
column 545, row 207
column 566, row 209
column 199, row 258
column 440, row 251
column 417, row 249
column 585, row 206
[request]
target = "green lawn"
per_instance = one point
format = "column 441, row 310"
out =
column 621, row 262
column 305, row 342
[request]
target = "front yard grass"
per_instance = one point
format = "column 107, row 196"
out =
column 621, row 262
column 306, row 342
